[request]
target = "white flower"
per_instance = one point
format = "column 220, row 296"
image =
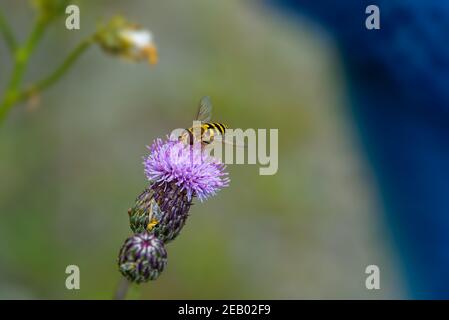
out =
column 139, row 38
column 128, row 40
column 140, row 45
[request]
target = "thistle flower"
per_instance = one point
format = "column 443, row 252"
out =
column 177, row 172
column 127, row 40
column 190, row 168
column 142, row 258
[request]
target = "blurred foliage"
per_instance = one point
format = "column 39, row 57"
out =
column 71, row 166
column 50, row 7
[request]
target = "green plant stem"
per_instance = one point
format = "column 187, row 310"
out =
column 43, row 84
column 21, row 58
column 13, row 94
column 122, row 289
column 6, row 31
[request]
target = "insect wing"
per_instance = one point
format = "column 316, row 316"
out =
column 204, row 110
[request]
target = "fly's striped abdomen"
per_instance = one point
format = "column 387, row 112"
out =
column 218, row 128
column 208, row 131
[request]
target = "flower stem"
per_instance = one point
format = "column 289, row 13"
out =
column 122, row 289
column 43, row 84
column 6, row 31
column 21, row 58
column 12, row 93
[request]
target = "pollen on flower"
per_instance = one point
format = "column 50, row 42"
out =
column 188, row 167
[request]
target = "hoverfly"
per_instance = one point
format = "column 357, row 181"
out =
column 207, row 132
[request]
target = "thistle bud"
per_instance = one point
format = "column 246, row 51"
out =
column 142, row 258
column 161, row 210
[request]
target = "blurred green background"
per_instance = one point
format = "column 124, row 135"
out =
column 70, row 167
